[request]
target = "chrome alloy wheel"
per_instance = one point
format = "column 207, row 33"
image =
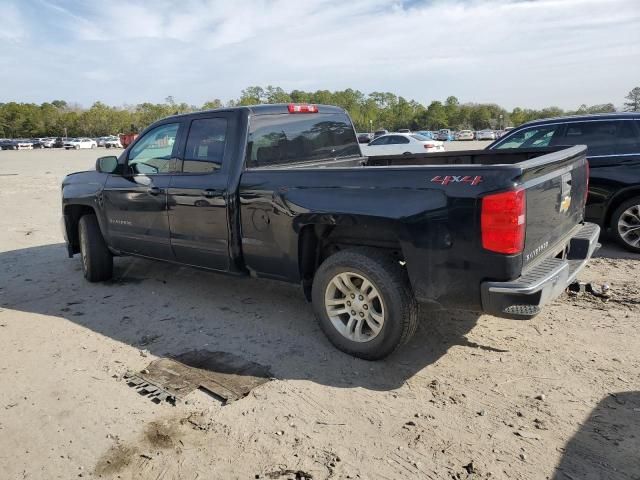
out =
column 354, row 307
column 629, row 226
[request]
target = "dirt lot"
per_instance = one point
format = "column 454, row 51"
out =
column 469, row 397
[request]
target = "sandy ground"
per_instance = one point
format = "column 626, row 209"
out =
column 469, row 397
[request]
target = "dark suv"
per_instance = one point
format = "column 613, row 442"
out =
column 613, row 142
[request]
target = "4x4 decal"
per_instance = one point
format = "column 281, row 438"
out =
column 447, row 179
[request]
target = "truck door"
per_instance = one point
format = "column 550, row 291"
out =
column 197, row 195
column 135, row 203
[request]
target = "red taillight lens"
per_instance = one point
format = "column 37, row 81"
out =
column 586, row 191
column 302, row 108
column 503, row 222
column 427, row 146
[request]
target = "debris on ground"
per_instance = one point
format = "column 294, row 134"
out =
column 221, row 374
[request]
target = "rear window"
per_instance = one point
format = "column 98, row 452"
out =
column 288, row 138
column 419, row 137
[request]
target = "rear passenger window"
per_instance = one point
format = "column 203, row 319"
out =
column 205, row 145
column 629, row 137
column 287, row 138
column 599, row 136
column 398, row 139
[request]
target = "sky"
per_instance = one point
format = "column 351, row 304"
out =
column 527, row 53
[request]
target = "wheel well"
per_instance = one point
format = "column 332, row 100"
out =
column 318, row 242
column 617, row 201
column 72, row 214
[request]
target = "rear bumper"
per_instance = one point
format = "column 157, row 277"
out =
column 524, row 297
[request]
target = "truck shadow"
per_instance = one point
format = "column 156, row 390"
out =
column 606, row 446
column 169, row 310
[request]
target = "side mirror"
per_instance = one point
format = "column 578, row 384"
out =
column 107, row 164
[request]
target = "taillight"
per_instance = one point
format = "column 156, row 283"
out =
column 503, row 222
column 427, row 146
column 586, row 188
column 302, row 108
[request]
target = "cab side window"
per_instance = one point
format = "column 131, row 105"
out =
column 205, row 146
column 153, row 153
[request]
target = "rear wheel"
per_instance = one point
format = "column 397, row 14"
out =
column 625, row 224
column 96, row 259
column 363, row 302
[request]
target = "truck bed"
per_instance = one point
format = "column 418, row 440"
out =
column 429, row 203
column 464, row 157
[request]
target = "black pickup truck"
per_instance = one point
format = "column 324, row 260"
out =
column 282, row 192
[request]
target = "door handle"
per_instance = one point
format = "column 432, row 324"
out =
column 209, row 193
column 153, row 190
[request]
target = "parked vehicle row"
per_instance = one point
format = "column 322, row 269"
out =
column 444, row 135
column 60, row 142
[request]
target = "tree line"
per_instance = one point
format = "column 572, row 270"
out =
column 369, row 112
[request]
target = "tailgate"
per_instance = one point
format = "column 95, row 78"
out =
column 556, row 187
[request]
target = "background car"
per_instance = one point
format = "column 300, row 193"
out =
column 8, row 144
column 613, row 152
column 445, row 135
column 379, row 133
column 404, row 130
column 464, row 135
column 78, row 143
column 401, row 143
column 112, row 142
column 364, row 137
column 24, row 144
column 426, row 134
column 485, row 135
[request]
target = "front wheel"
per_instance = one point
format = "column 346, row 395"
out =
column 97, row 260
column 625, row 224
column 363, row 303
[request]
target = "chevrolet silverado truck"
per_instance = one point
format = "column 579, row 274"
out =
column 283, row 192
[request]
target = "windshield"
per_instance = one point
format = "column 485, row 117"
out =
column 420, row 138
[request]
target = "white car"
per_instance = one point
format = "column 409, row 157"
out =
column 48, row 142
column 464, row 135
column 24, row 145
column 485, row 135
column 112, row 142
column 399, row 144
column 78, row 143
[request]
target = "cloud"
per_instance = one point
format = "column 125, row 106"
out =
column 12, row 24
column 528, row 53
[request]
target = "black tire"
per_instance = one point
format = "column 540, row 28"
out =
column 615, row 218
column 392, row 283
column 96, row 259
